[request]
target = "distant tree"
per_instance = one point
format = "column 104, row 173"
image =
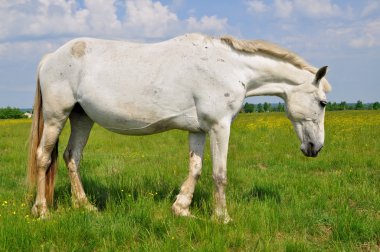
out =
column 280, row 107
column 11, row 113
column 334, row 106
column 267, row 107
column 248, row 108
column 342, row 105
column 260, row 108
column 376, row 106
column 359, row 105
column 329, row 106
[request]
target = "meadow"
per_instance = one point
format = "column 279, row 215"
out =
column 279, row 200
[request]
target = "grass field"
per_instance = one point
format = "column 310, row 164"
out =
column 279, row 200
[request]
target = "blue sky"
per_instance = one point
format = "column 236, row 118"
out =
column 345, row 35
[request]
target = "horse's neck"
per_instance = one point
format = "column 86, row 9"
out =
column 270, row 76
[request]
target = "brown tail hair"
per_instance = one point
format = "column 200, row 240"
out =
column 34, row 141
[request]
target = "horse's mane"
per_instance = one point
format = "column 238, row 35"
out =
column 265, row 47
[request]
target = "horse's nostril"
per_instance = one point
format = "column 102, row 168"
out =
column 310, row 147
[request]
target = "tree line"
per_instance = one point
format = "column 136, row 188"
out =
column 331, row 106
column 263, row 107
column 11, row 113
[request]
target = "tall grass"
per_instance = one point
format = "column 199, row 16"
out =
column 279, row 200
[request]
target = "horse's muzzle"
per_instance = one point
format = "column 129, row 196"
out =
column 310, row 149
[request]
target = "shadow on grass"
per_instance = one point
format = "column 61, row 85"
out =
column 158, row 189
column 262, row 193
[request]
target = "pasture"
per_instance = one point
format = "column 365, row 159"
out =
column 278, row 199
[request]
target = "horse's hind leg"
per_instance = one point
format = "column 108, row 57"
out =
column 81, row 126
column 183, row 201
column 52, row 129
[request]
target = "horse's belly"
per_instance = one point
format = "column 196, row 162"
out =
column 130, row 120
column 130, row 127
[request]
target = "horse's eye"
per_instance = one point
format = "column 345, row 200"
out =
column 323, row 103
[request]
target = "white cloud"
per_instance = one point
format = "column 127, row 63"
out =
column 283, row 8
column 142, row 19
column 151, row 18
column 366, row 40
column 27, row 51
column 305, row 8
column 176, row 4
column 31, row 18
column 6, row 4
column 318, row 8
column 367, row 35
column 360, row 34
column 102, row 16
column 297, row 24
column 256, row 6
column 370, row 8
column 207, row 24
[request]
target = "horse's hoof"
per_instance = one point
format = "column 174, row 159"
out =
column 40, row 211
column 91, row 208
column 225, row 218
column 179, row 211
column 84, row 204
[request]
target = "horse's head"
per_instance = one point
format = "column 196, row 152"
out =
column 306, row 109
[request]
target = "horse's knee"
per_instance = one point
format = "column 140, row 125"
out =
column 43, row 159
column 220, row 179
column 196, row 171
column 195, row 166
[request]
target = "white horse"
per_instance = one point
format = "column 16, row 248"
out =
column 192, row 82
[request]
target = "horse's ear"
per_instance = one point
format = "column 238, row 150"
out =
column 320, row 74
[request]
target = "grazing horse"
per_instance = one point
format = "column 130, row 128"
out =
column 192, row 82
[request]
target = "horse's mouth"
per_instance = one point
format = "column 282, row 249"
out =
column 310, row 150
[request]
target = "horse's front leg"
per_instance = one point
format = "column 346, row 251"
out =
column 183, row 201
column 81, row 126
column 219, row 137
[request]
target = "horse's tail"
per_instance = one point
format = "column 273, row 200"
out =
column 34, row 141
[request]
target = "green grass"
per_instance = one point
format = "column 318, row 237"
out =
column 279, row 200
